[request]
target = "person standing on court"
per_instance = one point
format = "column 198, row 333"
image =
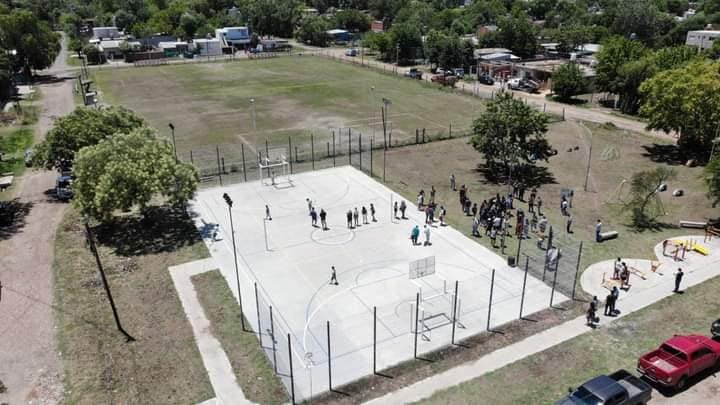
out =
column 432, row 195
column 349, row 219
column 608, row 305
column 598, row 231
column 313, row 217
column 356, row 217
column 427, row 236
column 395, row 209
column 323, row 219
column 539, row 205
column 678, row 279
column 452, row 182
column 414, row 235
column 267, row 213
column 309, row 204
column 363, row 211
column 333, row 277
column 403, row 207
column 372, row 212
column 568, row 224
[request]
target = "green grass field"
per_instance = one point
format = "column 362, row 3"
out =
column 294, row 96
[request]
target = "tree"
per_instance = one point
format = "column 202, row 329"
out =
column 517, row 34
column 685, row 100
column 641, row 20
column 36, row 44
column 313, row 30
column 352, row 20
column 129, row 170
column 644, row 203
column 275, row 17
column 93, row 54
column 568, row 81
column 616, row 52
column 406, row 40
column 84, row 127
column 509, row 133
column 712, row 179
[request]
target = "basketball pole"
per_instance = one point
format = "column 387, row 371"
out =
column 522, row 297
column 492, row 286
column 452, row 339
column 417, row 313
column 267, row 245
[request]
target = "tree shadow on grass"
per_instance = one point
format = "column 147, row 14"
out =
column 531, row 176
column 669, row 154
column 12, row 217
column 160, row 229
column 653, row 226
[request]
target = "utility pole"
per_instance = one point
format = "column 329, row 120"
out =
column 93, row 249
column 229, row 202
column 172, row 132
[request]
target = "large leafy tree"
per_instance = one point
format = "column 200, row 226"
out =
column 352, row 20
column 712, row 178
column 127, row 171
column 568, row 81
column 313, row 31
column 517, row 34
column 509, row 133
column 407, row 43
column 641, row 20
column 34, row 42
column 275, row 17
column 685, row 100
column 616, row 52
column 84, row 127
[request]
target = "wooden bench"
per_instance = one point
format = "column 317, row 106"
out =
column 608, row 235
column 693, row 224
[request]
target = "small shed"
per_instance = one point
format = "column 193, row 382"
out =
column 338, row 35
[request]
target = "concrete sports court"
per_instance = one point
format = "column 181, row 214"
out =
column 289, row 263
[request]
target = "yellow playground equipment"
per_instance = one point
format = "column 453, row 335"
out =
column 690, row 245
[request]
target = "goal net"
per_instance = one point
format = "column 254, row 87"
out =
column 273, row 168
column 436, row 300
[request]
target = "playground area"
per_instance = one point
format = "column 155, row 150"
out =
column 394, row 301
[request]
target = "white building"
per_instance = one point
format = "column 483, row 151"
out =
column 239, row 37
column 106, row 33
column 208, row 47
column 701, row 39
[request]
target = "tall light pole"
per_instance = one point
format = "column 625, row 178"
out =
column 252, row 106
column 229, row 202
column 386, row 110
column 172, row 132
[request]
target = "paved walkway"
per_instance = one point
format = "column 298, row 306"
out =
column 217, row 364
column 697, row 269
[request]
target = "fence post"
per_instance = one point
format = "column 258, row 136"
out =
column 577, row 269
column 423, row 138
column 192, row 161
column 374, row 340
column 492, row 286
column 242, row 152
column 349, row 148
column 517, row 254
column 417, row 136
column 372, row 138
column 329, row 357
column 563, row 117
column 222, row 160
column 272, row 337
column 454, row 320
column 328, row 149
column 257, row 307
column 290, row 153
column 522, row 297
column 292, row 374
column 360, row 149
column 217, row 150
column 552, row 293
column 450, row 133
column 267, row 150
column 417, row 313
column 333, row 132
column 312, row 150
column 544, row 107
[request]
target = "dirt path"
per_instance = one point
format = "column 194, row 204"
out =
column 30, row 366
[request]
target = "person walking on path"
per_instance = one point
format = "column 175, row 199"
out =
column 678, row 280
column 395, row 209
column 363, row 211
column 432, row 195
column 323, row 219
column 414, row 235
column 313, row 217
column 475, row 225
column 452, row 182
column 309, row 204
column 349, row 219
column 356, row 217
column 403, row 207
column 333, row 277
column 539, row 205
column 441, row 215
column 598, row 231
column 267, row 213
column 372, row 212
column 608, row 305
column 568, row 224
column 592, row 310
column 531, row 201
column 427, row 236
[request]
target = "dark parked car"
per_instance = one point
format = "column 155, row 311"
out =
column 618, row 388
column 715, row 329
column 413, row 73
column 486, row 79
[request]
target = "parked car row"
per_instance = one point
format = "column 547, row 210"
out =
column 670, row 366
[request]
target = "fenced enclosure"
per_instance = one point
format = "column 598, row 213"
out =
column 385, row 310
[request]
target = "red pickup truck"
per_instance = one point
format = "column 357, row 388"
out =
column 678, row 359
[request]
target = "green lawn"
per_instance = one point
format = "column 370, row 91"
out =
column 546, row 376
column 252, row 369
column 100, row 367
column 16, row 138
column 294, row 96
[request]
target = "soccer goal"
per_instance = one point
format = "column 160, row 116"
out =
column 436, row 302
column 273, row 169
